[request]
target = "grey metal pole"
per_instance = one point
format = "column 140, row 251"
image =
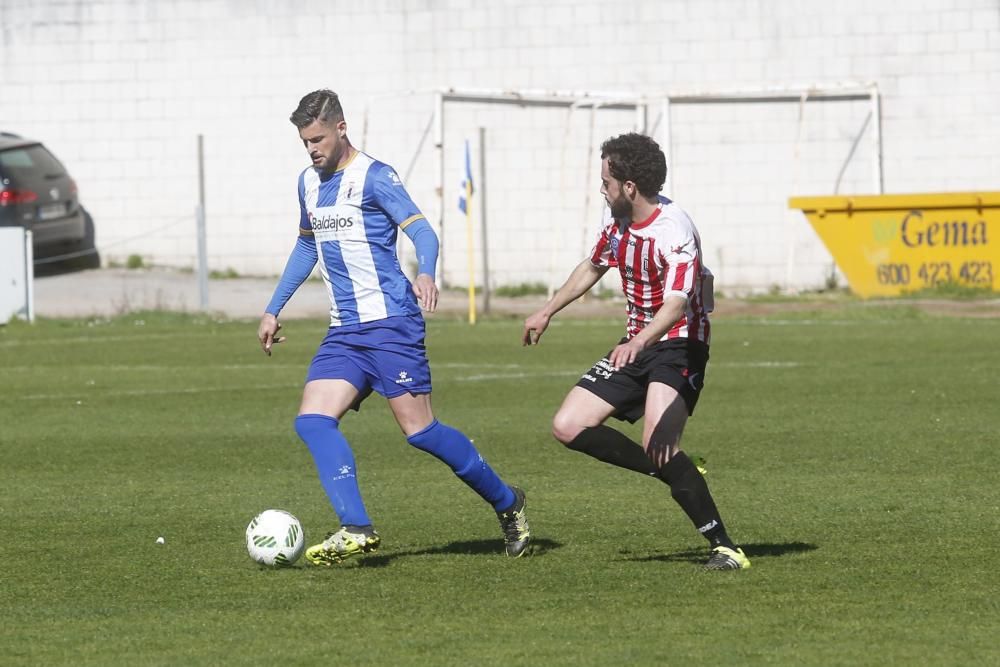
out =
column 482, row 217
column 200, row 219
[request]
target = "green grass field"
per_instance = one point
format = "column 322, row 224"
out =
column 854, row 453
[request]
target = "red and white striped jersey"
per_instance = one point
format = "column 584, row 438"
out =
column 657, row 257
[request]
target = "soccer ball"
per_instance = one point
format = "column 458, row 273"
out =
column 275, row 538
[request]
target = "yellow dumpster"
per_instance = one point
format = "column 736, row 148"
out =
column 888, row 245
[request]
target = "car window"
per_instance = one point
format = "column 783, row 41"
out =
column 30, row 158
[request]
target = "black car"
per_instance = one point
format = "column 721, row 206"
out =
column 37, row 193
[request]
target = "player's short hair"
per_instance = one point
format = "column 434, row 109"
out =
column 637, row 158
column 322, row 105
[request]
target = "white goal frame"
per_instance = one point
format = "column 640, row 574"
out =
column 660, row 128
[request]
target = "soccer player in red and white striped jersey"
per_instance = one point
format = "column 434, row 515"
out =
column 658, row 368
column 657, row 257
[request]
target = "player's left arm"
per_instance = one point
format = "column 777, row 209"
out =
column 392, row 197
column 666, row 317
column 425, row 242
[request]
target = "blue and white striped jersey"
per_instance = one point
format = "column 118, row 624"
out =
column 354, row 215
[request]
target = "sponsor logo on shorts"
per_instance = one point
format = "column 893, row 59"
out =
column 404, row 378
column 603, row 368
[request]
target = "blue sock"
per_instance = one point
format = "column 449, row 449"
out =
column 335, row 465
column 452, row 447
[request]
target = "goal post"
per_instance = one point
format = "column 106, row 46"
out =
column 569, row 101
column 791, row 139
column 847, row 91
column 535, row 139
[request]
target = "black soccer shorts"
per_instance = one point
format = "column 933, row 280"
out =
column 679, row 363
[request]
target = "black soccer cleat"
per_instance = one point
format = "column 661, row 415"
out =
column 514, row 524
column 724, row 558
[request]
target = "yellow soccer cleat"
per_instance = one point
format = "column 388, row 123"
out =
column 343, row 543
column 724, row 558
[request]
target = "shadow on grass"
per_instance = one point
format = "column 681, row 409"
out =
column 752, row 550
column 491, row 547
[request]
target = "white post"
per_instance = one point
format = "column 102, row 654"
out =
column 439, row 145
column 17, row 268
column 200, row 220
column 791, row 219
column 29, row 274
column 877, row 139
column 665, row 139
column 482, row 220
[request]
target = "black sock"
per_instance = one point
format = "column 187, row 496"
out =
column 606, row 444
column 689, row 489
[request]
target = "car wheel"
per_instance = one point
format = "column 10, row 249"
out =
column 92, row 260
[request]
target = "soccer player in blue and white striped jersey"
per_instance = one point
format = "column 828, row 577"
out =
column 352, row 207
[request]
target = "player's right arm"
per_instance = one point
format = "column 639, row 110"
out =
column 300, row 264
column 584, row 276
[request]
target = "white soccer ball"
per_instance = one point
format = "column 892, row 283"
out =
column 275, row 538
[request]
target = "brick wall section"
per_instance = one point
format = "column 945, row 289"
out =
column 121, row 88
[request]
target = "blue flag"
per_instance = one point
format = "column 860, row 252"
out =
column 467, row 190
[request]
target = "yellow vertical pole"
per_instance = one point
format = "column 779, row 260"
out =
column 468, row 251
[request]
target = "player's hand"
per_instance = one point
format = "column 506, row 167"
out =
column 534, row 326
column 625, row 354
column 426, row 291
column 267, row 332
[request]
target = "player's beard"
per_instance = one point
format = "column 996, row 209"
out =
column 329, row 164
column 330, row 161
column 621, row 209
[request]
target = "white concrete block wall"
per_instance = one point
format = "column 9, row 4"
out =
column 120, row 89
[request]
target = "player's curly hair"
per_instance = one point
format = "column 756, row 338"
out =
column 637, row 158
column 322, row 105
